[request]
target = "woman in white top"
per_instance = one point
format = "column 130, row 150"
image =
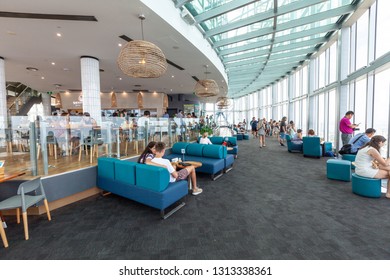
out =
column 365, row 157
column 205, row 140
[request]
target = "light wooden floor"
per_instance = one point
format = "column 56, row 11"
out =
column 18, row 161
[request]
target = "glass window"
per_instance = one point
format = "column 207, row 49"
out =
column 383, row 21
column 381, row 105
column 332, row 117
column 361, row 103
column 333, row 63
column 321, row 115
column 362, row 41
column 321, row 70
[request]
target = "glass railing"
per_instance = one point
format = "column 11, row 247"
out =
column 51, row 145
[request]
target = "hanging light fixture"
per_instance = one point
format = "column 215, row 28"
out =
column 223, row 103
column 206, row 87
column 142, row 59
column 140, row 100
column 113, row 100
column 165, row 101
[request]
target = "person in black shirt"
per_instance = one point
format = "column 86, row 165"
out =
column 283, row 131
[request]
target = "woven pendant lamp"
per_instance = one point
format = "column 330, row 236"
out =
column 113, row 100
column 142, row 59
column 206, row 87
column 140, row 100
column 223, row 103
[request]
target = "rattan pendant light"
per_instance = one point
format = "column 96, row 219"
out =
column 142, row 59
column 206, row 87
column 223, row 103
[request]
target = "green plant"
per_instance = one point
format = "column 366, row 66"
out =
column 207, row 129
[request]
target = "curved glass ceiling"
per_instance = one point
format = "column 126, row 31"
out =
column 261, row 41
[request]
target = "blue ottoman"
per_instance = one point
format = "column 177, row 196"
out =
column 326, row 147
column 239, row 136
column 338, row 169
column 351, row 158
column 246, row 136
column 366, row 186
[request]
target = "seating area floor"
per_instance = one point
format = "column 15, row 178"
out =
column 272, row 205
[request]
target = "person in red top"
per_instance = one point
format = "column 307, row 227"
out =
column 346, row 127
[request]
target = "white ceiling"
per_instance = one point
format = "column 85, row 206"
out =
column 33, row 43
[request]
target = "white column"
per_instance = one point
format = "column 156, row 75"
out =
column 90, row 84
column 46, row 103
column 3, row 96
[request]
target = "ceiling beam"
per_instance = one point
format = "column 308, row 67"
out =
column 297, row 5
column 275, row 50
column 280, row 39
column 180, row 3
column 222, row 9
column 288, row 25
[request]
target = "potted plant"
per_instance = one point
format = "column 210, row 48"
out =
column 207, row 129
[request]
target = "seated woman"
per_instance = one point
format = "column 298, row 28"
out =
column 311, row 133
column 369, row 153
column 176, row 175
column 149, row 154
column 298, row 137
column 204, row 139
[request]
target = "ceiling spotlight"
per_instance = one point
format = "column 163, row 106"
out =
column 42, row 78
column 119, row 45
column 32, row 69
column 57, row 85
column 53, row 63
column 59, row 35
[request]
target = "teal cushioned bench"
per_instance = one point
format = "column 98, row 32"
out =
column 366, row 186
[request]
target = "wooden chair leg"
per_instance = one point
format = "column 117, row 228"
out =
column 91, row 154
column 39, row 151
column 55, row 151
column 47, row 209
column 25, row 224
column 3, row 236
column 80, row 151
column 18, row 215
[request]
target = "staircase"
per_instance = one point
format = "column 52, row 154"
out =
column 23, row 98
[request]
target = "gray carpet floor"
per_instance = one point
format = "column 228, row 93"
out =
column 272, row 205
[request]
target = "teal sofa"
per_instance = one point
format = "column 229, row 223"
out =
column 146, row 184
column 218, row 140
column 214, row 158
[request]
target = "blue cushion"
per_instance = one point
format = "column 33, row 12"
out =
column 214, row 151
column 216, row 140
column 106, row 167
column 176, row 148
column 351, row 158
column 246, row 137
column 125, row 172
column 195, row 149
column 311, row 146
column 239, row 136
column 151, row 177
column 338, row 169
column 229, row 160
column 366, row 186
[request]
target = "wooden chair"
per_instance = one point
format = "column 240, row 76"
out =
column 24, row 199
column 2, row 234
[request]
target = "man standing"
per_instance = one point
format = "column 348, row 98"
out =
column 361, row 139
column 346, row 127
column 253, row 124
